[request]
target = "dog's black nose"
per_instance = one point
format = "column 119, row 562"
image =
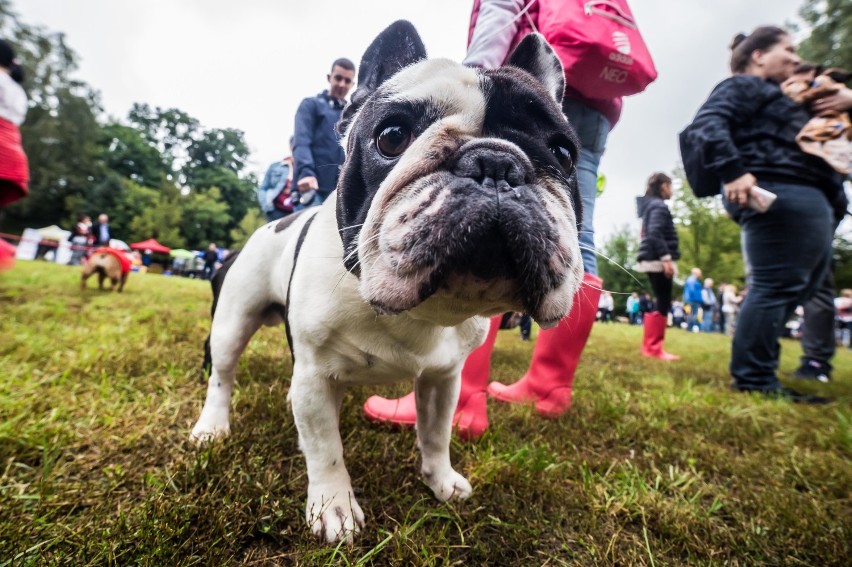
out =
column 492, row 168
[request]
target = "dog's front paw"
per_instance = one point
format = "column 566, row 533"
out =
column 210, row 425
column 448, row 485
column 333, row 513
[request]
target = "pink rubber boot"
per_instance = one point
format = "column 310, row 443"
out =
column 655, row 333
column 548, row 381
column 471, row 418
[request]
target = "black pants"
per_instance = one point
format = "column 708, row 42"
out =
column 818, row 326
column 662, row 288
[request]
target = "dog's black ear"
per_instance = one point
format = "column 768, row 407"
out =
column 535, row 56
column 398, row 46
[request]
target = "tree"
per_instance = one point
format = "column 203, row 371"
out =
column 615, row 266
column 127, row 152
column 205, row 219
column 709, row 239
column 830, row 39
column 253, row 220
column 61, row 131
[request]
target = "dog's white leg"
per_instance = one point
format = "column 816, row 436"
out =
column 229, row 336
column 331, row 509
column 436, row 400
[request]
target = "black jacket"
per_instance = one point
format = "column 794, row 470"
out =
column 747, row 125
column 659, row 237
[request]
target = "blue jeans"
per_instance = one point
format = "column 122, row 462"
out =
column 787, row 252
column 707, row 324
column 592, row 129
column 319, row 198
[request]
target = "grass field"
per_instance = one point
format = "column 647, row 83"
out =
column 656, row 464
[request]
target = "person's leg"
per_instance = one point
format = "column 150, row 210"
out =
column 526, row 326
column 818, row 343
column 592, row 129
column 788, row 249
column 656, row 322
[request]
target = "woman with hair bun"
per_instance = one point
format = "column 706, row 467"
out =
column 658, row 252
column 745, row 134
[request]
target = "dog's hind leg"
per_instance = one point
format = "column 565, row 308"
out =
column 436, row 400
column 232, row 329
column 331, row 509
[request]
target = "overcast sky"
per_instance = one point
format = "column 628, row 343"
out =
column 248, row 64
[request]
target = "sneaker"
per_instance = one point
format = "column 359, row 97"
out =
column 788, row 394
column 814, row 370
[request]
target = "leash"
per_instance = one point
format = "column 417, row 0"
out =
column 301, row 240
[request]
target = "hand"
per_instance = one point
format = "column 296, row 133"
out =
column 308, row 183
column 668, row 269
column 739, row 190
column 838, row 102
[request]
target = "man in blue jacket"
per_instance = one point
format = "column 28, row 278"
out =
column 317, row 152
column 692, row 295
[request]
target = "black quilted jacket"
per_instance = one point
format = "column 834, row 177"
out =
column 747, row 125
column 659, row 237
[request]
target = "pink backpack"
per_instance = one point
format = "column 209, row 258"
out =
column 599, row 45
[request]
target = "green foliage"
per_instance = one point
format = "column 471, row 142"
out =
column 616, row 258
column 79, row 164
column 253, row 220
column 654, row 464
column 830, row 39
column 709, row 239
column 205, row 218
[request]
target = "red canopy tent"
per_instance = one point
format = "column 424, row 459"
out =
column 152, row 245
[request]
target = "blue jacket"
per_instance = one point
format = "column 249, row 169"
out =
column 317, row 150
column 273, row 183
column 692, row 290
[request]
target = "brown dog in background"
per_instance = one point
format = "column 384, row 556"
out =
column 107, row 264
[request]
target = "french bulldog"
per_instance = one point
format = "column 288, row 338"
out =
column 457, row 200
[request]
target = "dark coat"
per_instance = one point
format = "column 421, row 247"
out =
column 747, row 125
column 316, row 146
column 659, row 237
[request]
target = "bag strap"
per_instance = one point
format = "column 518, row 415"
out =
column 620, row 15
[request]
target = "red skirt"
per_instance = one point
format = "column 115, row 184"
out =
column 14, row 170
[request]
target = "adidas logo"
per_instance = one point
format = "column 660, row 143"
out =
column 621, row 42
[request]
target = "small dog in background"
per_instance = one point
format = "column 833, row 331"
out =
column 107, row 263
column 457, row 200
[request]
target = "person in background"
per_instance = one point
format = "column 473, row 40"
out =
column 692, row 297
column 708, row 306
column 14, row 169
column 678, row 314
column 746, row 131
column 274, row 192
column 81, row 239
column 101, row 231
column 496, row 26
column 658, row 252
column 730, row 307
column 317, row 153
column 211, row 256
column 605, row 307
column 633, row 308
column 526, row 326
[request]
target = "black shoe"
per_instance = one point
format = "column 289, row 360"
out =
column 788, row 394
column 814, row 370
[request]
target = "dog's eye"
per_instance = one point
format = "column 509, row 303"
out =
column 393, row 140
column 562, row 155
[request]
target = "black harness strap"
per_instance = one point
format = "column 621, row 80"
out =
column 301, row 240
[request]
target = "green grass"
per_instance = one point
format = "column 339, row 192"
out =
column 656, row 464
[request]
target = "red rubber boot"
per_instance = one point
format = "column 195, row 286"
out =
column 471, row 418
column 655, row 333
column 548, row 381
